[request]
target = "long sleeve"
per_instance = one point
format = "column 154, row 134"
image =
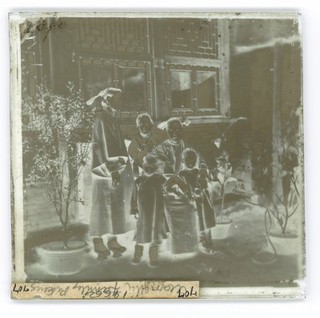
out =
column 100, row 150
column 134, row 200
column 135, row 151
column 164, row 153
column 108, row 153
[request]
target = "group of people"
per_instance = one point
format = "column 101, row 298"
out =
column 159, row 178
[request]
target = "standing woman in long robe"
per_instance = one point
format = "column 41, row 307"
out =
column 178, row 209
column 112, row 174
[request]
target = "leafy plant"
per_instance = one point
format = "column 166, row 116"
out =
column 283, row 205
column 284, row 201
column 51, row 124
column 223, row 175
column 224, row 170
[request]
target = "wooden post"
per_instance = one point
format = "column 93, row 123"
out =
column 276, row 118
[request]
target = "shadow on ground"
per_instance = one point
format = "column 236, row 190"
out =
column 232, row 263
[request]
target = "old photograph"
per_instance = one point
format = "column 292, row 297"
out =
column 158, row 147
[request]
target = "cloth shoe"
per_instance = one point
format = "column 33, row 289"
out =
column 153, row 255
column 207, row 245
column 138, row 251
column 100, row 248
column 116, row 248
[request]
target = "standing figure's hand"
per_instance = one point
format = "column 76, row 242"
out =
column 115, row 178
column 202, row 181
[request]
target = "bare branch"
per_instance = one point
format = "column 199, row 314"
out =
column 294, row 211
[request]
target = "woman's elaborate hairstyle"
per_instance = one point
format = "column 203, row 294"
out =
column 172, row 120
column 189, row 151
column 141, row 116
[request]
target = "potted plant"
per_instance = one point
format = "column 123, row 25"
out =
column 51, row 126
column 286, row 203
column 285, row 200
column 223, row 175
column 281, row 236
column 225, row 182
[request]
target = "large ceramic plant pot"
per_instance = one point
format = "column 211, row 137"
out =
column 181, row 221
column 222, row 229
column 284, row 244
column 59, row 260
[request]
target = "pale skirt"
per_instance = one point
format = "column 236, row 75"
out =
column 110, row 205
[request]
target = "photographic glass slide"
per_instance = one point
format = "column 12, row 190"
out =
column 157, row 155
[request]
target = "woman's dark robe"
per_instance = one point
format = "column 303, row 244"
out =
column 141, row 146
column 205, row 212
column 147, row 200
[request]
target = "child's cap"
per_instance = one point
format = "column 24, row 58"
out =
column 187, row 152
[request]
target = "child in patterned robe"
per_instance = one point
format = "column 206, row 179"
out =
column 148, row 205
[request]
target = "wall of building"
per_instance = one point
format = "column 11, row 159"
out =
column 265, row 85
column 262, row 79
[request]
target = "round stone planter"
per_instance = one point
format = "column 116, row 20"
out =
column 285, row 244
column 59, row 260
column 222, row 228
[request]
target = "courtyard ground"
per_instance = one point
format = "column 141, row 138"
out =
column 232, row 264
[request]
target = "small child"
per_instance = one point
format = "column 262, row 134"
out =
column 197, row 182
column 148, row 205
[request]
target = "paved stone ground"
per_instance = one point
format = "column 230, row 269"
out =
column 231, row 264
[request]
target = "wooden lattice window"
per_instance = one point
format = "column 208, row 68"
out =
column 193, row 90
column 192, row 38
column 133, row 77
